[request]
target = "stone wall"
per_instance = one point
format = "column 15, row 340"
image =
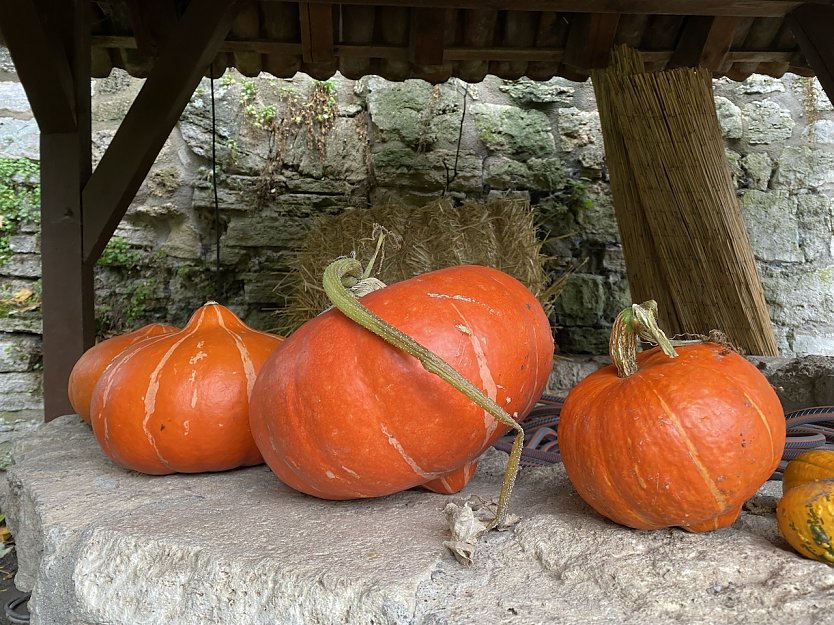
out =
column 291, row 150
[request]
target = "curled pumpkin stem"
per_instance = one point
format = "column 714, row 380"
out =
column 639, row 322
column 346, row 271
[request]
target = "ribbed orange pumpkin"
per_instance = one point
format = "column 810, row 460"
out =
column 339, row 413
column 179, row 402
column 94, row 361
column 682, row 441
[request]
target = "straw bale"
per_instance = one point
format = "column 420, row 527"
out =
column 684, row 238
column 500, row 233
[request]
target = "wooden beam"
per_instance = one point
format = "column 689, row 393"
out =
column 740, row 8
column 428, row 37
column 705, row 41
column 453, row 53
column 153, row 21
column 65, row 157
column 41, row 65
column 813, row 27
column 151, row 118
column 591, row 40
column 316, row 32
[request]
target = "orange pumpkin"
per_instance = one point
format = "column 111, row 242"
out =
column 179, row 402
column 339, row 413
column 94, row 361
column 679, row 437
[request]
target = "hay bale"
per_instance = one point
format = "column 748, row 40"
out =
column 500, row 233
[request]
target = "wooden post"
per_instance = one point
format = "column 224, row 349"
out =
column 50, row 46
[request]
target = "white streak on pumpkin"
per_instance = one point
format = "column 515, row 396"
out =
column 349, row 472
column 462, row 298
column 245, row 358
column 487, row 381
column 153, row 387
column 392, row 440
column 445, row 483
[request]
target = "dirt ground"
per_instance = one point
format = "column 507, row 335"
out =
column 8, row 592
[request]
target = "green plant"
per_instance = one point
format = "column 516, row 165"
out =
column 20, row 198
column 119, row 253
column 228, row 79
column 248, row 91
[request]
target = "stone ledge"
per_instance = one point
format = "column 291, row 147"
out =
column 98, row 544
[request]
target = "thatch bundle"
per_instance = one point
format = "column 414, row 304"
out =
column 500, row 233
column 684, row 238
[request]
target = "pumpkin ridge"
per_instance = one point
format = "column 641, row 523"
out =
column 245, row 356
column 109, row 374
column 153, row 387
column 720, row 499
column 763, row 419
column 489, row 387
column 392, row 440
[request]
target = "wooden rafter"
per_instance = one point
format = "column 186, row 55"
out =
column 316, row 32
column 590, row 40
column 41, row 64
column 813, row 27
column 705, row 41
column 738, row 8
column 151, row 118
column 428, row 34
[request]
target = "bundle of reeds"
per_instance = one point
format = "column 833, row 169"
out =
column 500, row 233
column 684, row 239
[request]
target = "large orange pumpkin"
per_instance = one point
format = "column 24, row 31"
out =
column 681, row 438
column 339, row 413
column 179, row 402
column 94, row 361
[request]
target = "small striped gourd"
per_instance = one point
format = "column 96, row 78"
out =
column 817, row 464
column 179, row 402
column 805, row 516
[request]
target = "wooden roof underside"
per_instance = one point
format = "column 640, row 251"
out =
column 469, row 39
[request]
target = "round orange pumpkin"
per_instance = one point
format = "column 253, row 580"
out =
column 678, row 438
column 94, row 361
column 179, row 402
column 339, row 413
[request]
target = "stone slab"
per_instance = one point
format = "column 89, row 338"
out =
column 100, row 545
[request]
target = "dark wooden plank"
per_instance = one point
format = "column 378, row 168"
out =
column 739, row 8
column 590, row 40
column 705, row 41
column 316, row 32
column 41, row 64
column 151, row 118
column 428, row 36
column 68, row 297
column 813, row 27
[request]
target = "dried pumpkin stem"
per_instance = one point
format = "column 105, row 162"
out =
column 345, row 271
column 639, row 322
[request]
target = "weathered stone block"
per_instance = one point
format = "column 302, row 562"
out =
column 804, row 167
column 25, row 244
column 581, row 301
column 13, row 100
column 103, row 545
column 767, row 122
column 18, row 352
column 729, row 118
column 758, row 168
column 772, row 225
column 21, row 391
column 513, row 132
column 526, row 91
column 19, row 138
column 23, row 266
column 396, row 165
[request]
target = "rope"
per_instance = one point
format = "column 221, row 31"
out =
column 808, row 428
